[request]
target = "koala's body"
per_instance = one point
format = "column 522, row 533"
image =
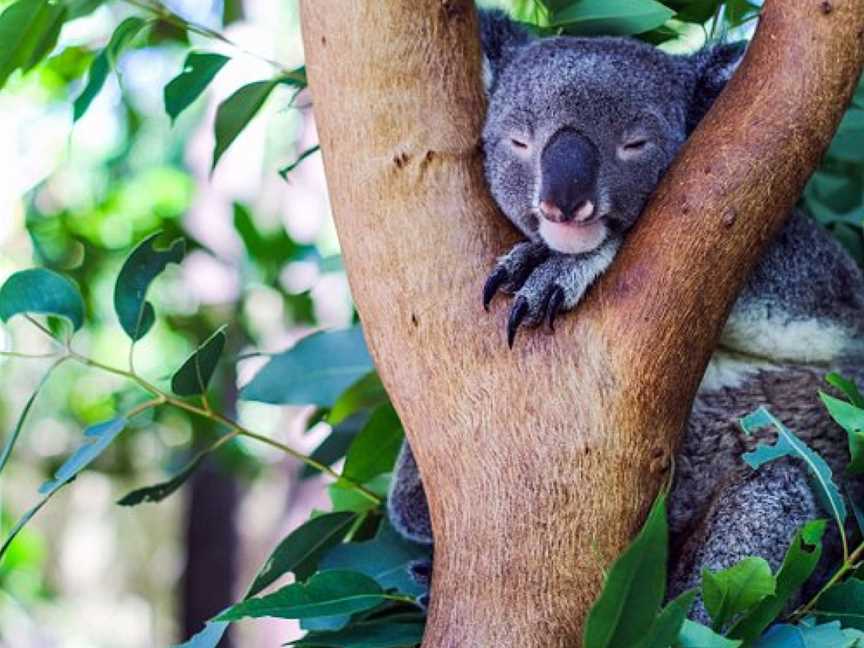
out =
column 578, row 134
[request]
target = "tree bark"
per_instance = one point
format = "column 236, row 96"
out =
column 537, row 459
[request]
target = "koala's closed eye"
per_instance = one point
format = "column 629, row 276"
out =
column 633, row 147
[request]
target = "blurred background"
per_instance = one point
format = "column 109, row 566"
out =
column 263, row 257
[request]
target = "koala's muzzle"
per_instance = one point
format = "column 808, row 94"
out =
column 568, row 175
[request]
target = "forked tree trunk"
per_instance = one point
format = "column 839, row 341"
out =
column 536, row 460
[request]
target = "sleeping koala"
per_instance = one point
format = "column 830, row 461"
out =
column 578, row 134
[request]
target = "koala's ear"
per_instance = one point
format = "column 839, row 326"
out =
column 500, row 37
column 713, row 67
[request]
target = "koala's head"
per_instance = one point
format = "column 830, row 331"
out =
column 580, row 130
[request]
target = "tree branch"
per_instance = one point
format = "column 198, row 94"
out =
column 532, row 457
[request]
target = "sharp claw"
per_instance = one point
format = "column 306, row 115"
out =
column 517, row 314
column 553, row 305
column 493, row 283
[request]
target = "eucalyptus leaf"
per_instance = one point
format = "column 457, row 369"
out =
column 843, row 603
column 301, row 550
column 41, row 291
column 851, row 419
column 314, row 372
column 798, row 565
column 328, row 593
column 105, row 61
column 380, row 634
column 848, row 387
column 199, row 69
column 284, row 171
column 736, row 590
column 208, row 637
column 233, row 114
column 144, row 264
column 96, row 439
column 19, row 424
column 28, row 32
column 696, row 635
column 367, row 393
column 789, row 445
column 158, row 492
column 620, row 18
column 667, row 626
column 375, row 449
column 386, row 558
column 335, row 446
column 193, row 378
column 801, row 636
column 634, row 587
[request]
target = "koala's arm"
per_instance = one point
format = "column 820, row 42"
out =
column 544, row 282
column 804, row 302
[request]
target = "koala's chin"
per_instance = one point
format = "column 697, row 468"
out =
column 572, row 237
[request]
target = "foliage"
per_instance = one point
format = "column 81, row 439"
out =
column 352, row 583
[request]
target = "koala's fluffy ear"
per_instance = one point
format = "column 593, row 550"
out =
column 499, row 36
column 714, row 66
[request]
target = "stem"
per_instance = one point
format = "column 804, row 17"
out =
column 715, row 22
column 162, row 397
column 848, row 565
column 163, row 13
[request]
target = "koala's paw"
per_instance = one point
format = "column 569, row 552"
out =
column 513, row 269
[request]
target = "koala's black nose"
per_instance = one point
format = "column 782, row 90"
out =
column 568, row 169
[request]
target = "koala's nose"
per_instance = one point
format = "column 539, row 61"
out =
column 582, row 213
column 568, row 167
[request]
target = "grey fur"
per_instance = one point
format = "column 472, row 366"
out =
column 803, row 304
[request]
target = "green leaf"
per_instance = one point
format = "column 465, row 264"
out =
column 798, row 565
column 634, row 587
column 668, row 624
column 41, row 291
column 194, row 376
column 848, row 387
column 386, row 558
column 789, row 445
column 695, row 635
column 16, row 431
column 735, row 590
column 335, row 446
column 851, row 419
column 695, row 11
column 375, row 449
column 329, row 593
column 199, row 69
column 104, row 61
column 314, row 372
column 381, row 634
column 209, row 637
column 802, row 636
column 843, row 603
column 96, row 439
column 366, row 393
column 301, row 550
column 284, row 171
column 158, row 492
column 28, row 32
column 81, row 8
column 130, row 292
column 344, row 498
column 601, row 17
column 237, row 111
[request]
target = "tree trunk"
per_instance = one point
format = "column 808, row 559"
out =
column 535, row 459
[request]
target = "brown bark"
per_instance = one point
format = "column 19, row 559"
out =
column 532, row 458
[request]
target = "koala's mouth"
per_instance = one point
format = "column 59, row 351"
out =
column 573, row 237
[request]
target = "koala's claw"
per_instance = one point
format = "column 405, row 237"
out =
column 517, row 314
column 499, row 277
column 553, row 305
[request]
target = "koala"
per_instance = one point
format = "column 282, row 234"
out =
column 578, row 134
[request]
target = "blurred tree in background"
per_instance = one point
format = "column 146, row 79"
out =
column 119, row 120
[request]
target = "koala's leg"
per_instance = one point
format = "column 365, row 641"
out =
column 758, row 516
column 406, row 505
column 804, row 302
